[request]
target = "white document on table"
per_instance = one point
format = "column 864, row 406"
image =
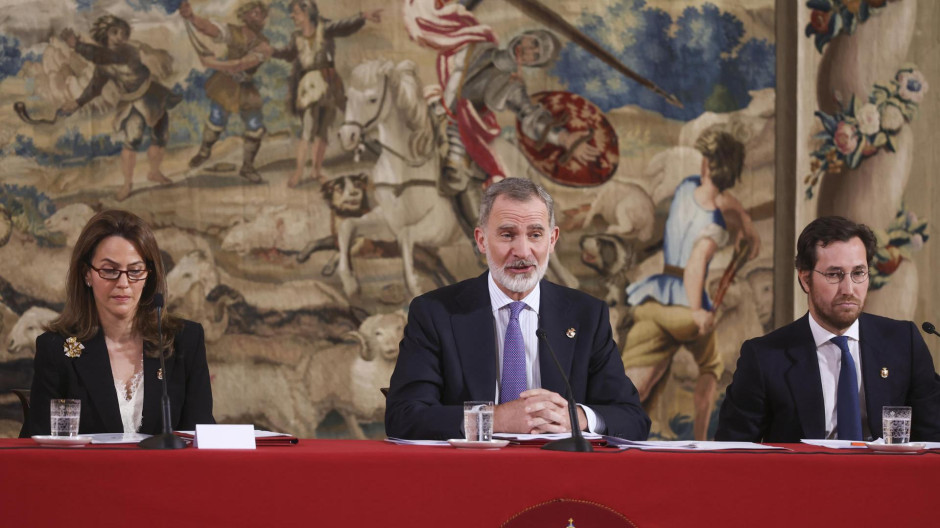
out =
column 521, row 437
column 261, row 433
column 835, row 444
column 687, row 445
column 117, row 438
column 405, row 441
column 858, row 444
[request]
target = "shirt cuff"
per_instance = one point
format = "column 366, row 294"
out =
column 594, row 421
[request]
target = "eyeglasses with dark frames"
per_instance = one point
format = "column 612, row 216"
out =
column 115, row 274
column 835, row 277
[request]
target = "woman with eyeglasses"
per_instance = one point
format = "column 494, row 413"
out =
column 104, row 347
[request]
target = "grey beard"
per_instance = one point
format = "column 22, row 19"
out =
column 515, row 283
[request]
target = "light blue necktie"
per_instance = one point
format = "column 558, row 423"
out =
column 848, row 415
column 514, row 376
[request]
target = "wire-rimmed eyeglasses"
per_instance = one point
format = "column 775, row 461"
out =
column 835, row 277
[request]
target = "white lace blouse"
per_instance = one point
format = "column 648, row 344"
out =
column 131, row 401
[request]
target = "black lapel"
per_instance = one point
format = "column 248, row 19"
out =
column 475, row 339
column 804, row 382
column 93, row 367
column 152, row 419
column 554, row 319
column 875, row 355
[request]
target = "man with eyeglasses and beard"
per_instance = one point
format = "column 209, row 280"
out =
column 476, row 340
column 828, row 374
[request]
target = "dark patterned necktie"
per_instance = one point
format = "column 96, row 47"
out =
column 848, row 415
column 514, row 376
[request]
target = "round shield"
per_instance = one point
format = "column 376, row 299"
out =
column 577, row 115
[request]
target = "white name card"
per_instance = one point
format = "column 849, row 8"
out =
column 218, row 436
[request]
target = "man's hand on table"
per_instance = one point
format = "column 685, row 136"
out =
column 537, row 411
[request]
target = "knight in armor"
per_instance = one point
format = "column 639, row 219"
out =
column 231, row 88
column 316, row 89
column 487, row 79
column 143, row 102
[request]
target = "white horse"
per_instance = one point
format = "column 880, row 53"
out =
column 387, row 98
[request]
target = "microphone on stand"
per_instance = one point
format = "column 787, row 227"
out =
column 166, row 440
column 577, row 442
column 929, row 328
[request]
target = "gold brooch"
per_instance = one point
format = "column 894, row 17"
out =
column 884, row 372
column 160, row 374
column 73, row 348
column 570, row 333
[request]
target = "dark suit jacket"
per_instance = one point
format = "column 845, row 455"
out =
column 449, row 355
column 776, row 394
column 88, row 378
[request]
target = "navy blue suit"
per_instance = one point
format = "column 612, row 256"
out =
column 449, row 355
column 88, row 378
column 776, row 394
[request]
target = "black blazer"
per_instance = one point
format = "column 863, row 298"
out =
column 776, row 393
column 88, row 378
column 448, row 355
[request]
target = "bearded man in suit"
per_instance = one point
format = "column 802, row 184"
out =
column 476, row 340
column 828, row 374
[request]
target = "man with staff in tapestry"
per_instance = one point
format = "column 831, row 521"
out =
column 316, row 89
column 143, row 102
column 231, row 88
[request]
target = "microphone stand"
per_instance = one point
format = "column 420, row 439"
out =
column 576, row 443
column 166, row 440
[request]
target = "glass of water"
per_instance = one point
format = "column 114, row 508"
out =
column 896, row 424
column 478, row 421
column 64, row 416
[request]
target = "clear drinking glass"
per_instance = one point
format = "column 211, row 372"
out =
column 64, row 416
column 478, row 421
column 896, row 424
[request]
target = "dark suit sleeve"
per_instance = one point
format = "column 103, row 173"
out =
column 197, row 402
column 924, row 392
column 414, row 407
column 743, row 416
column 610, row 393
column 47, row 385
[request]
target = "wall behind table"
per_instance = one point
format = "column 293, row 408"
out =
column 912, row 292
column 289, row 348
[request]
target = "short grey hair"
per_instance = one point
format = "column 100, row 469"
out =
column 517, row 190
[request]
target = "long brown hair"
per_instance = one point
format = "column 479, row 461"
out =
column 80, row 316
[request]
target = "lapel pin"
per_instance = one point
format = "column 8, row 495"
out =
column 160, row 373
column 884, row 372
column 571, row 333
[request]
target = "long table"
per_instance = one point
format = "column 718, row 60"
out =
column 363, row 483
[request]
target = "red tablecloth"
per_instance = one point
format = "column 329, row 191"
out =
column 333, row 483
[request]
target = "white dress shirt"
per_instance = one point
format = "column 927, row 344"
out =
column 829, row 357
column 528, row 323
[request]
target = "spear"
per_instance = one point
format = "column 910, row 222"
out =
column 541, row 13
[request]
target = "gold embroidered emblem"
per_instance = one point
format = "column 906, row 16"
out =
column 160, row 374
column 571, row 333
column 73, row 348
column 884, row 372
